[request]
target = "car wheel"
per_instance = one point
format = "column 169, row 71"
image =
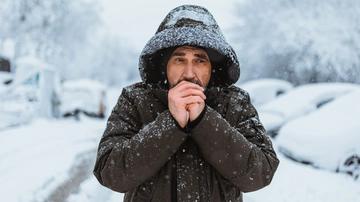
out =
column 351, row 165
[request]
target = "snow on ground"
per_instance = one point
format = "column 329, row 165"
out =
column 37, row 160
column 293, row 182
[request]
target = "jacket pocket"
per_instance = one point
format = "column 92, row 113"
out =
column 229, row 190
column 232, row 193
column 145, row 191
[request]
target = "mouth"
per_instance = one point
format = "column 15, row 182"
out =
column 194, row 81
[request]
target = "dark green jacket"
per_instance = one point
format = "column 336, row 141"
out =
column 146, row 155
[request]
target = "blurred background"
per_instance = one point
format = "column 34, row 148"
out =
column 63, row 65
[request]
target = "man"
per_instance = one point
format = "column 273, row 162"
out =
column 185, row 133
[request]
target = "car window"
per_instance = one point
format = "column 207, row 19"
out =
column 323, row 102
column 34, row 80
column 280, row 92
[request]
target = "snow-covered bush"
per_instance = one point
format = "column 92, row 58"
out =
column 51, row 30
column 67, row 34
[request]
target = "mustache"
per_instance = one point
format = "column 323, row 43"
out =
column 188, row 80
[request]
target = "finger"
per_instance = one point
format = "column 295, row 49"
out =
column 192, row 99
column 192, row 92
column 187, row 89
column 195, row 110
column 186, row 85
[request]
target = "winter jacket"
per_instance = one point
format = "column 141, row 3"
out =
column 146, row 155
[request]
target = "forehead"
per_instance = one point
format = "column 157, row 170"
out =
column 190, row 49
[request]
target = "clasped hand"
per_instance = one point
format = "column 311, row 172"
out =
column 186, row 102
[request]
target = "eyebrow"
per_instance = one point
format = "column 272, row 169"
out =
column 202, row 56
column 198, row 55
column 177, row 54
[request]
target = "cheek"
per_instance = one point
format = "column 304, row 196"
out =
column 205, row 76
column 172, row 76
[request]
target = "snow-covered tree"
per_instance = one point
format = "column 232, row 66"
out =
column 54, row 31
column 67, row 34
column 110, row 60
column 301, row 41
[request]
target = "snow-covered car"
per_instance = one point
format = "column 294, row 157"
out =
column 328, row 138
column 83, row 96
column 265, row 90
column 33, row 91
column 300, row 101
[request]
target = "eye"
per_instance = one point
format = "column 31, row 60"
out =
column 179, row 60
column 201, row 61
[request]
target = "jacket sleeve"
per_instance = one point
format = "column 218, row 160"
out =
column 129, row 153
column 237, row 146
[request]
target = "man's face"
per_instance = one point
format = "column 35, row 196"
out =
column 190, row 64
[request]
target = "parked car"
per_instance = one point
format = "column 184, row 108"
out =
column 83, row 96
column 328, row 138
column 265, row 90
column 299, row 102
column 33, row 91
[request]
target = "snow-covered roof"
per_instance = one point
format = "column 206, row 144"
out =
column 305, row 98
column 83, row 83
column 32, row 62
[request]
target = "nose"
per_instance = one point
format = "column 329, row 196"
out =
column 189, row 71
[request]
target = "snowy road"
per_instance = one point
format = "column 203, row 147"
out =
column 53, row 160
column 36, row 159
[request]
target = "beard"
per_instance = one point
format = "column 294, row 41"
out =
column 188, row 80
